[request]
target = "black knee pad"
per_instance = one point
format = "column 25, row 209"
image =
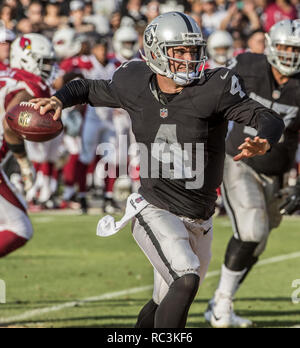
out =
column 239, row 254
column 16, row 148
column 187, row 284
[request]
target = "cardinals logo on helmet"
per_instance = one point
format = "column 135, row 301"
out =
column 25, row 43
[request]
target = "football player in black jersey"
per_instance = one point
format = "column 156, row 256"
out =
column 179, row 117
column 251, row 187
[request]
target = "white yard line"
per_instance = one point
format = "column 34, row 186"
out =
column 111, row 295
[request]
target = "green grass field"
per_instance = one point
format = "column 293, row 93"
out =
column 66, row 262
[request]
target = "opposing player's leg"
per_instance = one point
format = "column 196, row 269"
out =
column 110, row 165
column 52, row 154
column 90, row 140
column 165, row 240
column 15, row 226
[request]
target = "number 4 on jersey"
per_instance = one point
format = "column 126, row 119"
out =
column 236, row 87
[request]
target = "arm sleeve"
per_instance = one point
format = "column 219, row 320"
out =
column 236, row 106
column 93, row 92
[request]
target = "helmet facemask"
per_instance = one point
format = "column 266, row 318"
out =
column 128, row 49
column 45, row 66
column 285, row 33
column 287, row 63
column 193, row 69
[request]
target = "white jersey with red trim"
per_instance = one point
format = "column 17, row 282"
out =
column 89, row 67
column 3, row 66
column 75, row 64
column 13, row 81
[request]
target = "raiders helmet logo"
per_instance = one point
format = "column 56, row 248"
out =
column 24, row 119
column 149, row 34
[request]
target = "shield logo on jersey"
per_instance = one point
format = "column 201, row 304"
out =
column 24, row 119
column 163, row 113
column 149, row 34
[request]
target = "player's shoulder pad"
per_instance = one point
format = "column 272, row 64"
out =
column 249, row 63
column 134, row 73
column 219, row 76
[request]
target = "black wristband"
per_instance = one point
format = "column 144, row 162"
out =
column 16, row 148
column 270, row 127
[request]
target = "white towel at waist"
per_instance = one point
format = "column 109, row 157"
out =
column 107, row 225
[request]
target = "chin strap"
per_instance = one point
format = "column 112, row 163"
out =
column 182, row 80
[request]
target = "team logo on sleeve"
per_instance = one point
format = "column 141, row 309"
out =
column 163, row 113
column 149, row 34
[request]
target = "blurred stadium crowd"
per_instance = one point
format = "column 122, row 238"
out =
column 91, row 39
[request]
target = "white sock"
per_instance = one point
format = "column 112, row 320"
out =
column 45, row 192
column 229, row 281
column 53, row 185
column 108, row 195
column 68, row 192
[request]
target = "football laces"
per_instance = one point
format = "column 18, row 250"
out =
column 27, row 104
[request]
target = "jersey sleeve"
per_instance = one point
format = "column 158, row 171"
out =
column 234, row 103
column 119, row 92
column 103, row 93
column 236, row 106
column 93, row 92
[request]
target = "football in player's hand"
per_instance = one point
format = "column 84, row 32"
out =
column 24, row 120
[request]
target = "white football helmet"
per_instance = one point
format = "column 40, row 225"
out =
column 220, row 39
column 66, row 43
column 287, row 33
column 173, row 29
column 125, row 42
column 33, row 53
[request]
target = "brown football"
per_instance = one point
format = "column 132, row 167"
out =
column 24, row 120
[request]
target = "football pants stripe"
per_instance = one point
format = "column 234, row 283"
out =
column 156, row 244
column 230, row 210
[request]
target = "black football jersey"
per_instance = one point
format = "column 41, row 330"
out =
column 284, row 99
column 182, row 140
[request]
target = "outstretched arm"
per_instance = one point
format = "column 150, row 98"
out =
column 236, row 106
column 93, row 92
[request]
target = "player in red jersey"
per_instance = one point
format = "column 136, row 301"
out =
column 6, row 38
column 31, row 62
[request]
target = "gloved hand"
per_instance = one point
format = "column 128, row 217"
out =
column 292, row 201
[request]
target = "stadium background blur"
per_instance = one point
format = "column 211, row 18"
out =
column 61, row 180
column 58, row 186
